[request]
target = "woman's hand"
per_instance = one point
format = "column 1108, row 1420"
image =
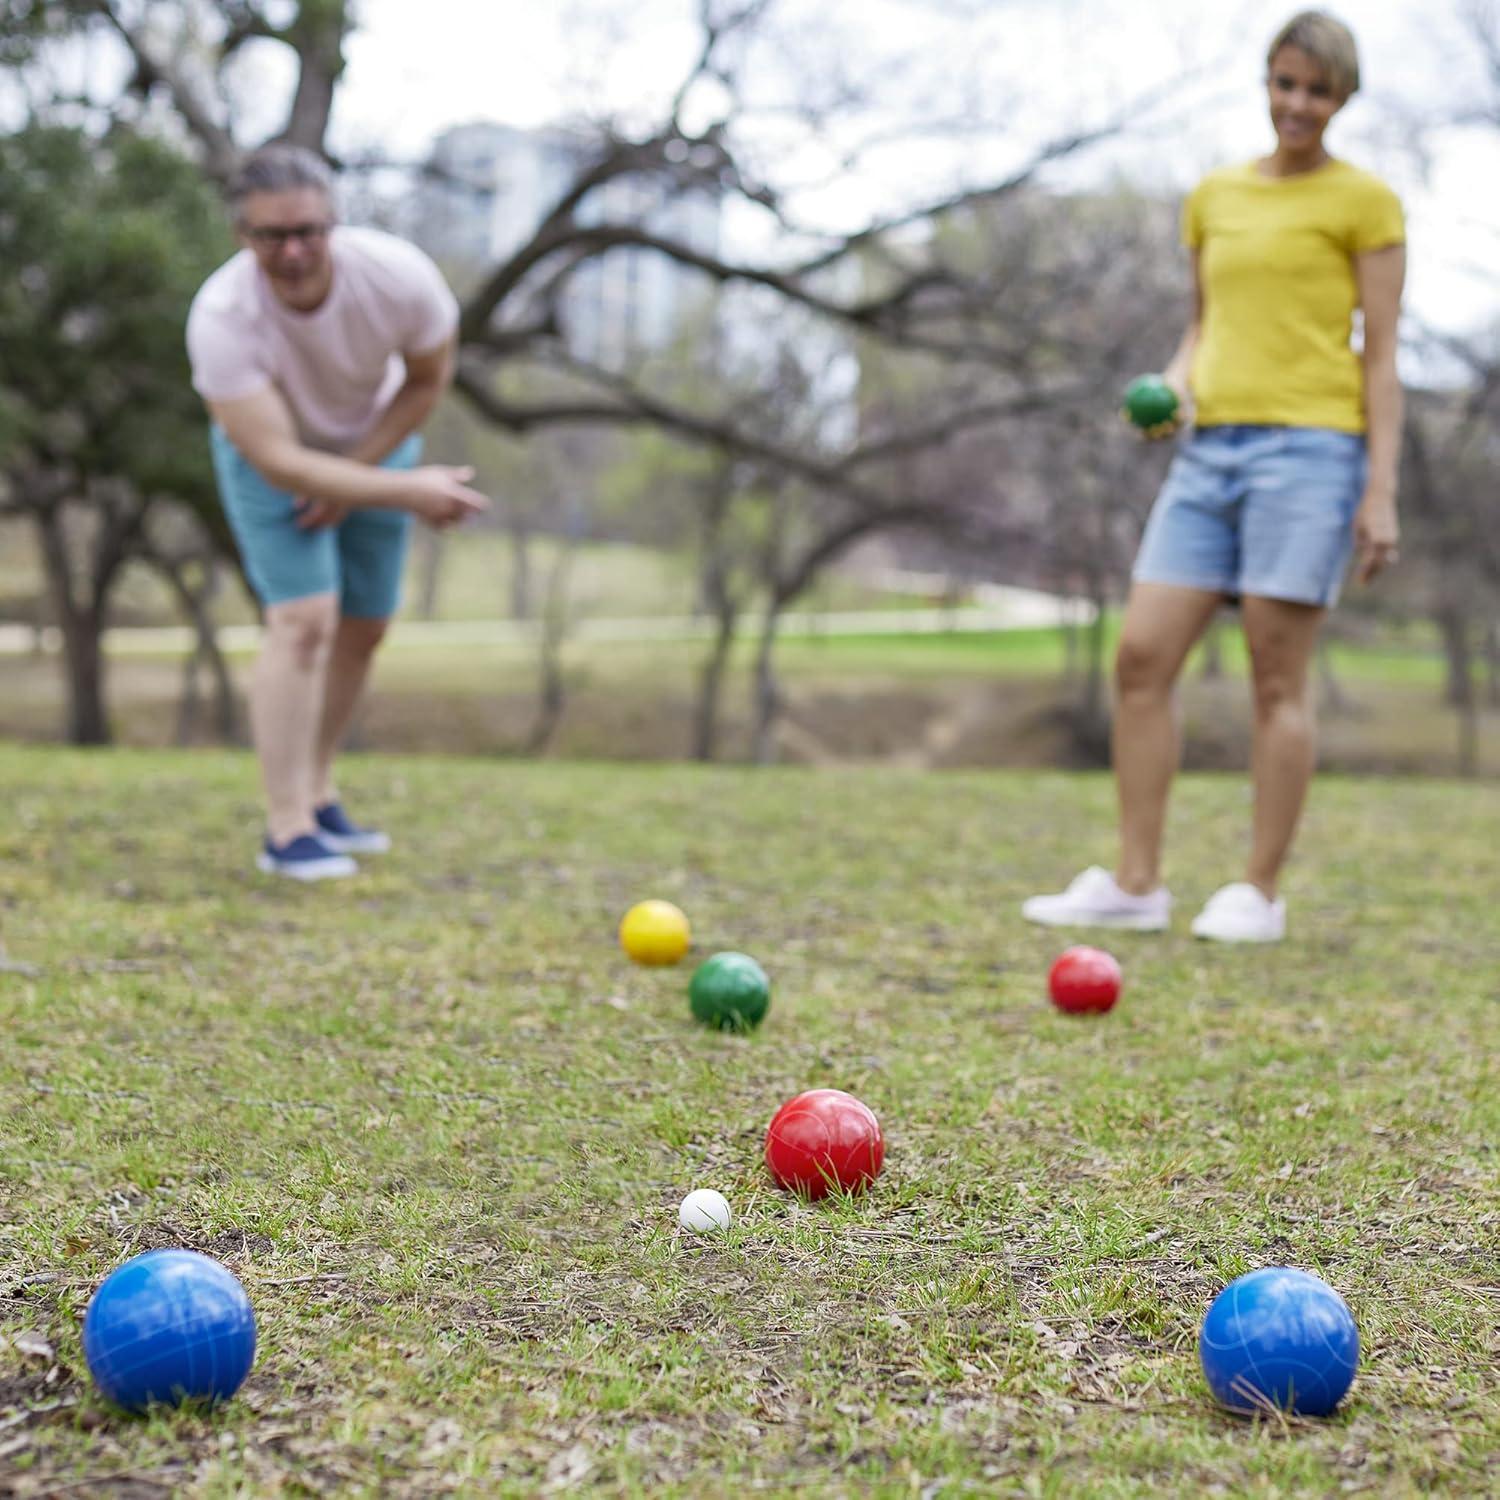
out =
column 1178, row 380
column 1376, row 533
column 1179, row 419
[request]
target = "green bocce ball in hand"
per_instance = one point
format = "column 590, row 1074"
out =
column 1151, row 405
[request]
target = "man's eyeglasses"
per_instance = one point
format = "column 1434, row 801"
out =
column 275, row 236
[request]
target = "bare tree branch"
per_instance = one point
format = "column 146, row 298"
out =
column 221, row 153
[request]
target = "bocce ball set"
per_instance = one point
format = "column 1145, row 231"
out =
column 171, row 1326
column 1273, row 1340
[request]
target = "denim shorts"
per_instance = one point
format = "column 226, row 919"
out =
column 1264, row 511
column 360, row 559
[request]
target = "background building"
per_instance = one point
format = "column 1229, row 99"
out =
column 492, row 185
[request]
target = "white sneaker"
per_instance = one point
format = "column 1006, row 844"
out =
column 1094, row 900
column 1240, row 913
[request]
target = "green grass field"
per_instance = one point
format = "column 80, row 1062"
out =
column 440, row 1126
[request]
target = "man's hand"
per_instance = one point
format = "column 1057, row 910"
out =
column 1376, row 533
column 439, row 495
column 314, row 515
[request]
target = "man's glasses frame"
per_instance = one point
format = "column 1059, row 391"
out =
column 276, row 236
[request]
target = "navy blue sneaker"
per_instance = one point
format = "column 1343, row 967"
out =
column 344, row 837
column 305, row 857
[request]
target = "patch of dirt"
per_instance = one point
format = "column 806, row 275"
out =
column 34, row 1384
column 234, row 1246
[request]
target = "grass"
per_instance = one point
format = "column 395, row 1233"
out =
column 440, row 1127
column 1043, row 653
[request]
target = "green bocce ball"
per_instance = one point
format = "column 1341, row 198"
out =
column 730, row 991
column 1150, row 402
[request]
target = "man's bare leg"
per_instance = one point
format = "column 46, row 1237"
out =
column 286, row 696
column 354, row 646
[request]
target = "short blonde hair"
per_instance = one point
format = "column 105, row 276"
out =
column 1328, row 42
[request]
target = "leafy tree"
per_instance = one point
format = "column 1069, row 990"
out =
column 102, row 445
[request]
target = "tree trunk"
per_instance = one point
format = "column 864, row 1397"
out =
column 552, row 691
column 552, row 685
column 711, row 685
column 226, row 718
column 1458, row 688
column 188, row 700
column 1492, row 663
column 1468, row 734
column 81, row 626
column 768, row 700
column 88, row 722
column 520, row 571
column 714, row 592
column 206, row 654
column 317, row 34
column 552, row 696
column 1070, row 651
column 429, row 571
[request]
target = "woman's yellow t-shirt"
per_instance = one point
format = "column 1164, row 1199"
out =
column 1276, row 264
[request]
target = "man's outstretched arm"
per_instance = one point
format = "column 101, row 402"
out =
column 261, row 427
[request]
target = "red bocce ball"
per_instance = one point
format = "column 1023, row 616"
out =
column 1084, row 979
column 824, row 1139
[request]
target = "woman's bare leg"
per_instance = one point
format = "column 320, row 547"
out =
column 1162, row 623
column 1282, row 638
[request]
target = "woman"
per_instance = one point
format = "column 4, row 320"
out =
column 1290, row 466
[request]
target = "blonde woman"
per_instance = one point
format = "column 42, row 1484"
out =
column 1289, row 467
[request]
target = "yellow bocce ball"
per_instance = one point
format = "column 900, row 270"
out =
column 655, row 933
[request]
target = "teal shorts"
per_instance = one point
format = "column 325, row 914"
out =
column 360, row 559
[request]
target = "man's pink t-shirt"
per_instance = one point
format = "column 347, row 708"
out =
column 339, row 366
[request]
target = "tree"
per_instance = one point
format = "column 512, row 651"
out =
column 1096, row 294
column 1451, row 469
column 1451, row 455
column 104, row 242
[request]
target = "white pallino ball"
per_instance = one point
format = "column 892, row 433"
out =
column 703, row 1208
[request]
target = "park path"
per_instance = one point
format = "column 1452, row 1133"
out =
column 1000, row 608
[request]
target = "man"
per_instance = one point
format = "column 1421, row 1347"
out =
column 320, row 350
